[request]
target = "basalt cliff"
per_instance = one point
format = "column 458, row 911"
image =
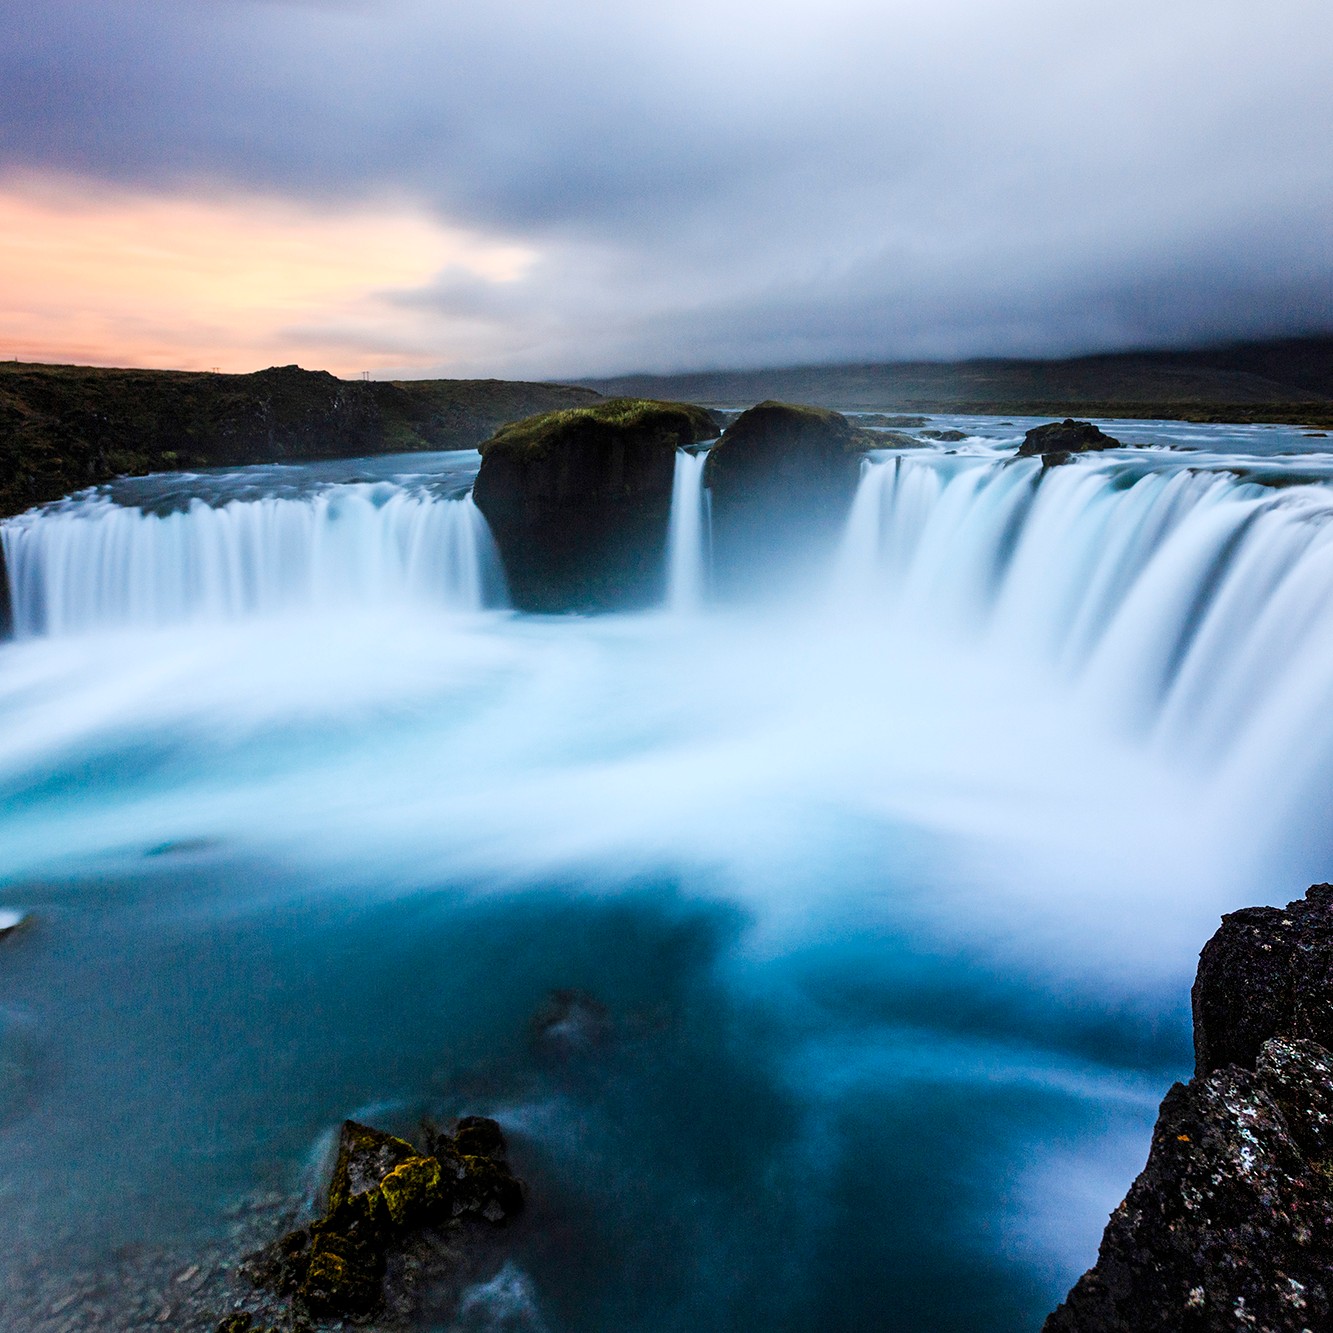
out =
column 1230, row 1225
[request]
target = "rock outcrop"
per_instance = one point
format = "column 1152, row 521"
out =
column 782, row 479
column 1230, row 1225
column 579, row 501
column 1267, row 972
column 1059, row 441
column 384, row 1194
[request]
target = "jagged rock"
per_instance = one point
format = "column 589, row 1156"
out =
column 1231, row 1223
column 1268, row 972
column 579, row 501
column 1060, row 440
column 781, row 478
column 382, row 1191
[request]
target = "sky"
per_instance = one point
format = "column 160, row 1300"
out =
column 541, row 189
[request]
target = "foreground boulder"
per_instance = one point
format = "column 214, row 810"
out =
column 579, row 501
column 1061, row 440
column 782, row 479
column 383, row 1193
column 1230, row 1224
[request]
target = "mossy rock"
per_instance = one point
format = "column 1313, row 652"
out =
column 782, row 479
column 383, row 1190
column 579, row 501
column 615, row 422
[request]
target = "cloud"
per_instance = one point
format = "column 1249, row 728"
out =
column 734, row 183
column 113, row 274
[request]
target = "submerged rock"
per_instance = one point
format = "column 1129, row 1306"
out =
column 579, row 501
column 1058, row 441
column 1230, row 1225
column 782, row 479
column 570, row 1023
column 384, row 1191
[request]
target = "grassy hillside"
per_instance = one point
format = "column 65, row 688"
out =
column 66, row 427
column 1287, row 380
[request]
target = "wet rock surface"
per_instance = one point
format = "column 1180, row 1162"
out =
column 393, row 1220
column 1230, row 1225
column 1058, row 441
column 1268, row 972
column 782, row 479
column 579, row 501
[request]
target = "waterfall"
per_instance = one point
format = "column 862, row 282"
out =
column 1197, row 607
column 92, row 564
column 688, row 534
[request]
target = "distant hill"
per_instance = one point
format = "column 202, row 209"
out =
column 66, row 427
column 1286, row 380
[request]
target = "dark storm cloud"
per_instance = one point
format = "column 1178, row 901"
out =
column 743, row 184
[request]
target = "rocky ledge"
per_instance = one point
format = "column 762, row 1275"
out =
column 1230, row 1225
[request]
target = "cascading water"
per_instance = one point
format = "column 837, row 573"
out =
column 688, row 533
column 93, row 564
column 885, row 902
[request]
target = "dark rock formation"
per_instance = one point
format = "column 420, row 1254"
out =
column 1067, row 437
column 1268, row 972
column 384, row 1192
column 782, row 479
column 944, row 436
column 579, row 501
column 63, row 428
column 1230, row 1225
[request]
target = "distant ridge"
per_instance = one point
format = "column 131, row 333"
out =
column 1288, row 379
column 66, row 427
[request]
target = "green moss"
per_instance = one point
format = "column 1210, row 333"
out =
column 382, row 1190
column 412, row 1194
column 671, row 424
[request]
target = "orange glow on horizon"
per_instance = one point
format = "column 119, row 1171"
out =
column 117, row 278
